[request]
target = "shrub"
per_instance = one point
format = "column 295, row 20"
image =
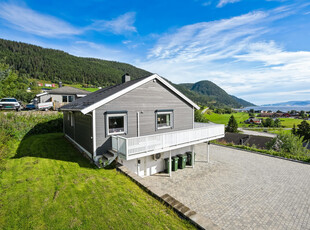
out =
column 199, row 117
column 288, row 143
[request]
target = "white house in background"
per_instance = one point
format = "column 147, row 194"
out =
column 139, row 122
column 61, row 96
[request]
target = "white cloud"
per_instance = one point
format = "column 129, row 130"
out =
column 208, row 3
column 120, row 25
column 225, row 2
column 231, row 53
column 30, row 21
column 95, row 50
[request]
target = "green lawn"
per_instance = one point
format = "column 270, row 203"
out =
column 271, row 130
column 289, row 122
column 224, row 118
column 49, row 185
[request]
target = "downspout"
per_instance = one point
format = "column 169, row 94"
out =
column 193, row 117
column 63, row 122
column 93, row 116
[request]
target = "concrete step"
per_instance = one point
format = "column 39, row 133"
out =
column 108, row 155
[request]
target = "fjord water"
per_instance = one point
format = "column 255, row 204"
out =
column 276, row 108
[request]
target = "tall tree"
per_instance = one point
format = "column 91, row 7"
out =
column 303, row 130
column 232, row 125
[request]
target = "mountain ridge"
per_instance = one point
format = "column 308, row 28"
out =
column 290, row 103
column 56, row 65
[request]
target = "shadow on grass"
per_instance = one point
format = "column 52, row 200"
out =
column 40, row 142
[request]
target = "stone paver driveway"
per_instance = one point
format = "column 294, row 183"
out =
column 242, row 190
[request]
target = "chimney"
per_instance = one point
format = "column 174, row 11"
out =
column 60, row 84
column 125, row 78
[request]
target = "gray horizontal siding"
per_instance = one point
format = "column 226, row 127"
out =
column 147, row 98
column 81, row 131
column 69, row 130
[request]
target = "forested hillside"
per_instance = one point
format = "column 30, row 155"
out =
column 56, row 65
column 206, row 92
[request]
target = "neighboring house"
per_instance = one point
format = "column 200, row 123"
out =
column 253, row 120
column 266, row 115
column 139, row 122
column 61, row 96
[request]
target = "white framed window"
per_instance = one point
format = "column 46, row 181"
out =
column 116, row 123
column 164, row 119
column 68, row 98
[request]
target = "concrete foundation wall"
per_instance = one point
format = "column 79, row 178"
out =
column 148, row 166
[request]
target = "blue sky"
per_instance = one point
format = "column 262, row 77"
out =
column 255, row 49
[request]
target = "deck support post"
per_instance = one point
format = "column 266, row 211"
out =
column 170, row 164
column 193, row 156
column 208, row 151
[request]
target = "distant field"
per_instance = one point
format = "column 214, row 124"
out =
column 79, row 86
column 224, row 118
column 241, row 117
column 271, row 130
column 289, row 122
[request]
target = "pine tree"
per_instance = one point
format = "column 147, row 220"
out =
column 232, row 125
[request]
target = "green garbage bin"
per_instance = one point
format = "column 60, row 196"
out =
column 175, row 162
column 182, row 161
column 167, row 165
column 190, row 155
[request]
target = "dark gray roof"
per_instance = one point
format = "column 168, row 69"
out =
column 98, row 95
column 68, row 90
column 239, row 139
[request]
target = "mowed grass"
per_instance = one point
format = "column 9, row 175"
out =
column 224, row 118
column 289, row 122
column 49, row 185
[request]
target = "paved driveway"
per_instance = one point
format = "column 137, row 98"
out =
column 255, row 133
column 243, row 190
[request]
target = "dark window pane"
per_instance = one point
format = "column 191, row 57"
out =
column 70, row 98
column 116, row 124
column 163, row 120
column 64, row 99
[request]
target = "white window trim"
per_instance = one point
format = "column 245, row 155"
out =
column 171, row 119
column 116, row 115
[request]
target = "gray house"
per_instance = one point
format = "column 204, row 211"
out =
column 140, row 122
column 61, row 95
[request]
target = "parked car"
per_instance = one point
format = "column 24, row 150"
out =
column 10, row 103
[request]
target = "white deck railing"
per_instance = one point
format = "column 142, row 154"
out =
column 134, row 147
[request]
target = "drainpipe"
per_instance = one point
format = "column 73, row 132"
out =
column 170, row 164
column 93, row 116
column 208, row 151
column 138, row 122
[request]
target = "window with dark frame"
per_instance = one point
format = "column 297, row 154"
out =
column 67, row 98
